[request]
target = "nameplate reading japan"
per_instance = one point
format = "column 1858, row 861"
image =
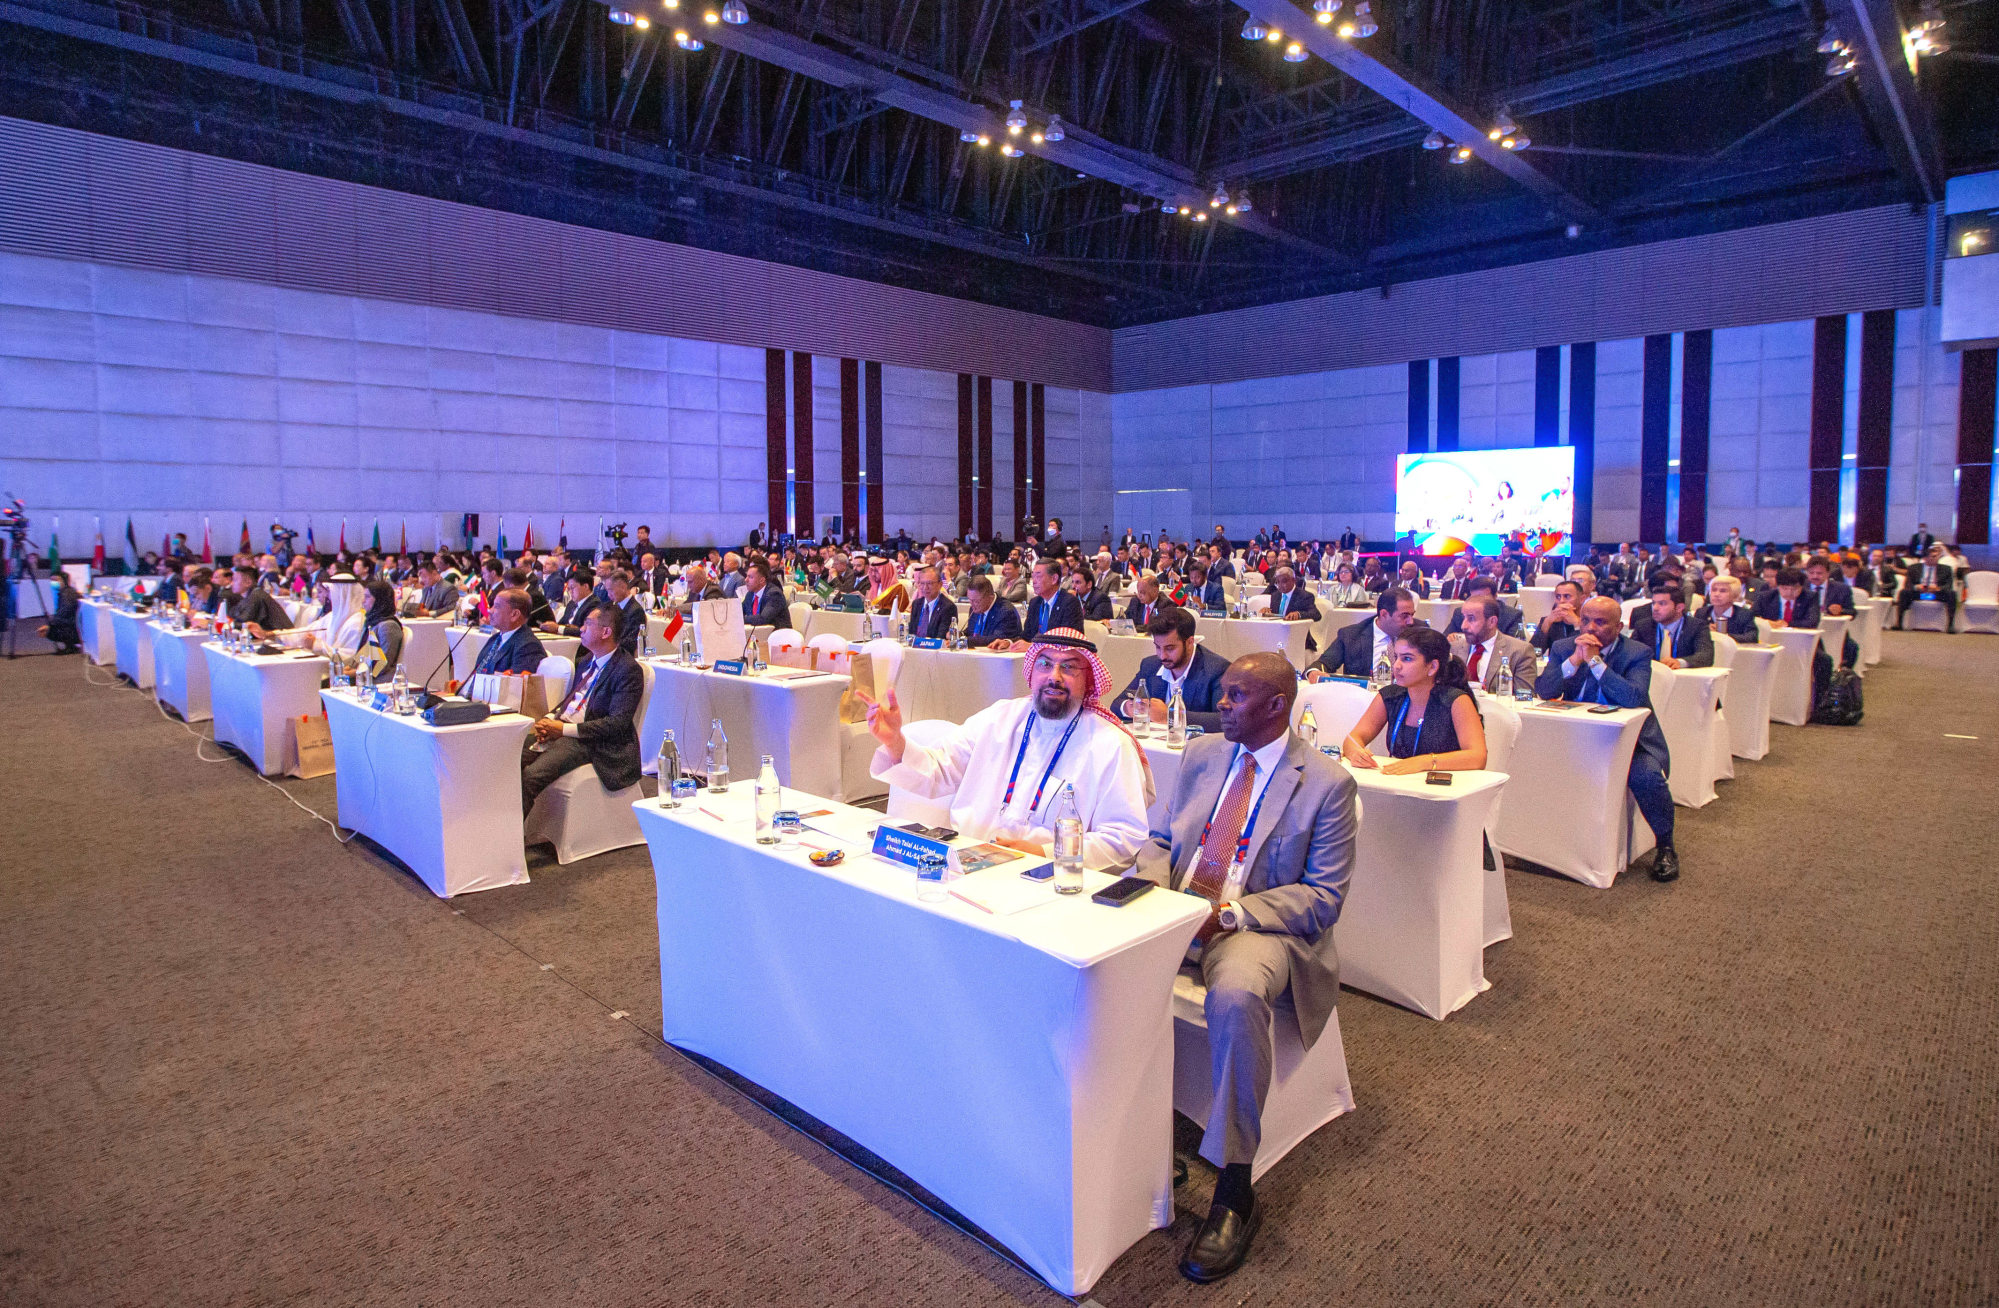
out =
column 734, row 667
column 927, row 642
column 898, row 846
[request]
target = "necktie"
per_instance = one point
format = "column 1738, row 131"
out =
column 1787, row 612
column 1664, row 644
column 1282, row 599
column 581, row 695
column 1211, row 868
column 1477, row 653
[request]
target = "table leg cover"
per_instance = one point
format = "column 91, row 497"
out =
column 180, row 674
column 1030, row 1091
column 796, row 722
column 257, row 700
column 1569, row 805
column 132, row 637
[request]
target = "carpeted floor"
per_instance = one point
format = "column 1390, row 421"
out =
column 242, row 1064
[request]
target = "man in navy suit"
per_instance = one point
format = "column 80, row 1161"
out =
column 1356, row 650
column 932, row 614
column 1931, row 576
column 1146, row 603
column 597, row 721
column 1835, row 597
column 763, row 599
column 1051, row 606
column 1674, row 639
column 513, row 648
column 1788, row 603
column 1204, row 588
column 992, row 619
column 1510, row 618
column 1176, row 659
column 1599, row 665
column 1726, row 613
column 1289, row 600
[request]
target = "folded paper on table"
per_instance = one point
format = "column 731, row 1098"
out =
column 1003, row 891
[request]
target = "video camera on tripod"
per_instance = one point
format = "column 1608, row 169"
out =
column 14, row 521
column 282, row 535
column 616, row 531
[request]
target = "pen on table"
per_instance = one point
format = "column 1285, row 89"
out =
column 717, row 816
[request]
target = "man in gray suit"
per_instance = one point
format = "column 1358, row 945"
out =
column 1482, row 645
column 1262, row 826
column 439, row 595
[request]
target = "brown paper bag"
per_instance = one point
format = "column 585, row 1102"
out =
column 852, row 707
column 313, row 756
column 534, row 696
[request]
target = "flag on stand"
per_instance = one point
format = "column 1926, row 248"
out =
column 376, row 544
column 403, row 542
column 97, row 553
column 562, row 533
column 167, row 545
column 503, row 537
column 131, row 549
column 310, row 546
column 672, row 631
column 55, row 555
column 243, row 541
column 343, row 535
column 527, row 537
column 207, row 550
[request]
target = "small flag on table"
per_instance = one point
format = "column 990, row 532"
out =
column 97, row 552
column 55, row 554
column 243, row 541
column 131, row 549
column 376, row 543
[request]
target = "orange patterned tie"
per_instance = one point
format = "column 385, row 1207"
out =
column 1211, row 869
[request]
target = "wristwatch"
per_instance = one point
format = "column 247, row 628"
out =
column 1231, row 917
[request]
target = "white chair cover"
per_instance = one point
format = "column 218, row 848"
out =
column 835, row 654
column 1259, row 603
column 556, row 671
column 887, row 657
column 1502, row 732
column 787, row 648
column 581, row 818
column 1979, row 610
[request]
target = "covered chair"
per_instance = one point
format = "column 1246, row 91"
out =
column 1502, row 732
column 1979, row 610
column 833, row 653
column 579, row 816
column 556, row 671
column 787, row 649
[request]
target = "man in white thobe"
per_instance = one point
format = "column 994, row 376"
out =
column 1002, row 771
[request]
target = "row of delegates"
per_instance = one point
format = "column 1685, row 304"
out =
column 1260, row 825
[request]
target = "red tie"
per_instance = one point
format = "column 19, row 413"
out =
column 1211, row 869
column 1787, row 612
column 1477, row 653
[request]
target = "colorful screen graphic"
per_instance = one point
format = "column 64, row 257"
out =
column 1483, row 498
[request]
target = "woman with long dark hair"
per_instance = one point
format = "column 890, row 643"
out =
column 1432, row 719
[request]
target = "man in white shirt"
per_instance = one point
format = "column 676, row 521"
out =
column 1483, row 646
column 1004, row 768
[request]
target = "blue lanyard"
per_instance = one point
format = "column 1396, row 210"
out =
column 1242, row 841
column 1026, row 732
column 1395, row 732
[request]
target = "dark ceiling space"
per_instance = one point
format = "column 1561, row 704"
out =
column 829, row 133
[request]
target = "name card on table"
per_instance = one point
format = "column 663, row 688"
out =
column 927, row 642
column 906, row 847
column 734, row 667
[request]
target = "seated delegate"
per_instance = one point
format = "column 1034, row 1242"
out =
column 1432, row 719
column 596, row 723
column 1177, row 660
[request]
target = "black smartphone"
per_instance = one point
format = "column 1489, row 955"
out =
column 1603, row 708
column 1119, row 893
column 1438, row 779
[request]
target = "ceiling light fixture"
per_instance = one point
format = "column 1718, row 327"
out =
column 1230, row 211
column 710, row 16
column 1200, row 215
column 1009, row 149
column 1016, row 119
column 1364, row 24
column 1347, row 30
column 1169, row 208
column 1054, row 131
column 1841, row 64
column 642, row 22
column 1327, row 8
column 671, row 4
column 1274, row 36
column 1502, row 125
column 1242, row 202
column 1461, row 155
column 1515, row 141
column 1829, row 42
column 1036, row 137
column 1220, row 197
column 1294, row 53
column 734, row 13
column 1435, row 140
column 688, row 43
column 968, row 136
column 984, row 140
column 1253, row 30
column 623, row 17
column 1926, row 37
column 1325, row 18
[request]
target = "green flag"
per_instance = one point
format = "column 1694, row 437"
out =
column 378, row 536
column 55, row 555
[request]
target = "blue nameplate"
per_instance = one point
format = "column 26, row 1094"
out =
column 734, row 667
column 380, row 701
column 927, row 642
column 906, row 847
column 1214, row 613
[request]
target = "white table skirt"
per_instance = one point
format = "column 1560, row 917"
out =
column 1412, row 930
column 954, row 684
column 426, row 642
column 795, row 721
column 132, row 640
column 180, row 674
column 1687, row 701
column 444, row 800
column 93, row 624
column 1791, row 682
column 1019, row 1067
column 1871, row 615
column 1751, row 678
column 1437, row 612
column 1569, row 806
column 1536, row 603
column 1832, row 636
column 258, row 699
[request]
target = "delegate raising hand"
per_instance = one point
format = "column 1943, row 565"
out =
column 885, row 721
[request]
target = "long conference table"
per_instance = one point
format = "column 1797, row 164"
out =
column 257, row 700
column 132, row 645
column 791, row 714
column 1019, row 1066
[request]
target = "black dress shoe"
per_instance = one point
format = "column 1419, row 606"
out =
column 1666, row 865
column 1221, row 1245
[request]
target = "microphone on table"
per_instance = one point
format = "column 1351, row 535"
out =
column 431, row 698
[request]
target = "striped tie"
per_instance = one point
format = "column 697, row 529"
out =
column 1211, row 869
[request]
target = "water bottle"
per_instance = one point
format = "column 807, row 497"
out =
column 718, row 759
column 1068, row 843
column 687, row 651
column 399, row 689
column 645, row 640
column 1308, row 727
column 770, row 798
column 758, row 665
column 1176, row 718
column 669, row 769
column 1381, row 674
column 1502, row 684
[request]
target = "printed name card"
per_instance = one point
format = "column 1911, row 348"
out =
column 927, row 642
column 734, row 667
column 907, row 847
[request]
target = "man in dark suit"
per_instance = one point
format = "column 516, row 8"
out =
column 1835, row 597
column 1050, row 606
column 630, row 614
column 1788, row 603
column 1094, row 599
column 1349, row 540
column 1289, row 600
column 653, row 577
column 1726, row 613
column 1600, row 665
column 1675, row 639
column 991, row 619
column 1146, row 603
column 1204, row 589
column 439, row 596
column 514, row 647
column 763, row 599
column 1412, row 580
column 251, row 605
column 578, row 600
column 1919, row 544
column 1290, row 812
column 172, row 585
column 1178, row 660
column 1452, row 587
column 597, row 721
column 1564, row 619
column 1053, row 546
column 932, row 614
column 1356, row 650
column 1511, row 620
column 1930, row 579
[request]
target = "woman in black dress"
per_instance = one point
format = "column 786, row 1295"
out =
column 1432, row 719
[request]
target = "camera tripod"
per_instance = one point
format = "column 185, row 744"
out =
column 20, row 567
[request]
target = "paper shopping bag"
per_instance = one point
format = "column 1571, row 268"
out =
column 852, row 707
column 533, row 695
column 312, row 755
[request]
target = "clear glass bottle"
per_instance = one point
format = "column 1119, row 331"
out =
column 687, row 651
column 1502, row 681
column 932, row 872
column 669, row 768
column 1381, row 675
column 718, row 759
column 399, row 690
column 1176, row 717
column 1068, row 843
column 758, row 664
column 770, row 798
column 1308, row 728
